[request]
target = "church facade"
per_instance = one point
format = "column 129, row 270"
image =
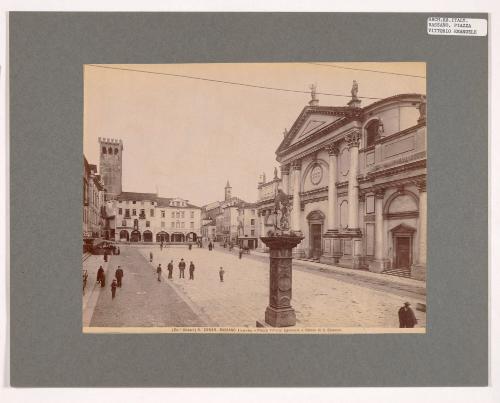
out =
column 356, row 177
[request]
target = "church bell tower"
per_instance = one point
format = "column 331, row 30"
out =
column 227, row 192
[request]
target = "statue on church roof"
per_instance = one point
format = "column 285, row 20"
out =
column 275, row 173
column 314, row 100
column 354, row 89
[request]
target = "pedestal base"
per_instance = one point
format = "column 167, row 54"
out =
column 378, row 266
column 280, row 317
column 329, row 259
column 419, row 272
column 351, row 262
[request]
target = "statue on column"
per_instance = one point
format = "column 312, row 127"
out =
column 282, row 212
column 275, row 173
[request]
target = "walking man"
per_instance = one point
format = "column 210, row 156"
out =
column 100, row 272
column 240, row 252
column 158, row 271
column 170, row 269
column 221, row 274
column 406, row 316
column 191, row 271
column 119, row 276
column 113, row 289
column 150, row 257
column 182, row 267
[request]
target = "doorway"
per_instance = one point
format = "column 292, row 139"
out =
column 403, row 252
column 315, row 235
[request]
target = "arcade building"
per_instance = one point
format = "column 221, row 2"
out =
column 143, row 217
column 356, row 177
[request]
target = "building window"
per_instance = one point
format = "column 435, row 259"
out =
column 124, row 223
column 163, row 214
column 191, row 225
column 252, row 232
column 182, row 214
column 119, row 211
column 116, row 151
column 104, row 151
column 127, row 213
column 177, row 215
column 147, row 223
column 372, row 132
column 134, row 211
column 163, row 224
column 143, row 213
column 252, row 221
column 152, row 212
column 182, row 225
column 173, row 214
column 177, row 225
column 173, row 224
column 192, row 214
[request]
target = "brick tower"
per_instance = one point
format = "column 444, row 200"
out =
column 110, row 166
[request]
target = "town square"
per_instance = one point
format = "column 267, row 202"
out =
column 321, row 225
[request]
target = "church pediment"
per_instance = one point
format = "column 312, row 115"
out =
column 313, row 120
column 312, row 125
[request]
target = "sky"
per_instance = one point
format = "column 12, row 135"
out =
column 186, row 137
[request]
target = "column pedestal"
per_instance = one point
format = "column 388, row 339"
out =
column 378, row 265
column 279, row 312
column 332, row 247
column 352, row 253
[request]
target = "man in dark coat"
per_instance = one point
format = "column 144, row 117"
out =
column 113, row 289
column 119, row 275
column 158, row 271
column 182, row 267
column 191, row 271
column 100, row 272
column 406, row 316
column 150, row 257
column 170, row 269
column 210, row 246
column 105, row 255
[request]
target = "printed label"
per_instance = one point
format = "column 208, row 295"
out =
column 457, row 26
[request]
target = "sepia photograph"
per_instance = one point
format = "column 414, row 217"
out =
column 255, row 198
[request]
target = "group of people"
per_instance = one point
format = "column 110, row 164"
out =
column 116, row 283
column 170, row 268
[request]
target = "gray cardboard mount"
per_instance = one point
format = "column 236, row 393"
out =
column 48, row 348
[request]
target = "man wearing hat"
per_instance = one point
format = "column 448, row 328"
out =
column 406, row 316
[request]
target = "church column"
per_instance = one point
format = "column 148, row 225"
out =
column 353, row 187
column 333, row 152
column 285, row 179
column 296, row 196
column 379, row 264
column 419, row 270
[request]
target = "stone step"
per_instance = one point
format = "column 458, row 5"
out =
column 398, row 272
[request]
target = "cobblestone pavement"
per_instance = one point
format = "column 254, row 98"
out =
column 141, row 301
column 320, row 300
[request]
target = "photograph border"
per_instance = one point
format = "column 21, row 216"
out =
column 47, row 52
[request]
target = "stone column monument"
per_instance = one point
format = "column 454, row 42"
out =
column 281, row 241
